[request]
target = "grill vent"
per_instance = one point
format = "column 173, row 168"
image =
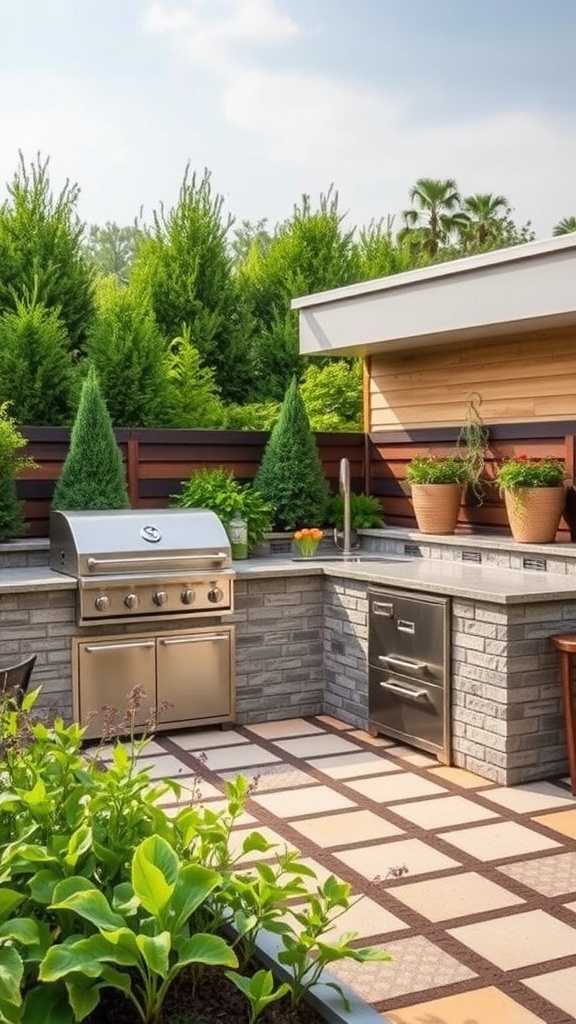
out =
column 472, row 556
column 413, row 550
column 538, row 564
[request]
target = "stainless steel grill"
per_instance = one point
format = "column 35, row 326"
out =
column 144, row 564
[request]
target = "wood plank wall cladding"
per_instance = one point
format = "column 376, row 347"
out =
column 157, row 461
column 527, row 377
column 390, row 451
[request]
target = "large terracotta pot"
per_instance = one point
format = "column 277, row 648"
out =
column 534, row 513
column 436, row 506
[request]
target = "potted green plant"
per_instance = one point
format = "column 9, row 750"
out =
column 534, row 492
column 437, row 484
column 218, row 490
column 365, row 514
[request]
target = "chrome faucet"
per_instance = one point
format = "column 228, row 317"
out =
column 344, row 479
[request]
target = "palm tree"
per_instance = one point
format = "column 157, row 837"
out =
column 434, row 216
column 565, row 226
column 485, row 214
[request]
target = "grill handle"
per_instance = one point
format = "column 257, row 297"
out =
column 403, row 664
column 119, row 647
column 105, row 563
column 194, row 639
column 405, row 691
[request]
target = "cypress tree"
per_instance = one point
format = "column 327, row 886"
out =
column 92, row 476
column 291, row 477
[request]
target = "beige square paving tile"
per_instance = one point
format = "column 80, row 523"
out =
column 221, row 806
column 293, row 803
column 334, row 722
column 460, row 777
column 401, row 786
column 192, row 791
column 284, row 727
column 501, row 839
column 321, row 873
column 347, row 766
column 412, row 756
column 480, row 1006
column 554, row 875
column 442, row 811
column 374, row 741
column 558, row 987
column 268, row 777
column 315, row 746
column 440, row 899
column 560, row 821
column 204, row 739
column 347, row 827
column 534, row 796
column 376, row 861
column 168, row 767
column 367, row 918
column 416, row 965
column 104, row 751
column 224, row 758
column 525, row 938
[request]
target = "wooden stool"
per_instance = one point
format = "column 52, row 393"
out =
column 565, row 644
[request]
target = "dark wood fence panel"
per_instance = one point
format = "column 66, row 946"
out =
column 390, row 451
column 157, row 461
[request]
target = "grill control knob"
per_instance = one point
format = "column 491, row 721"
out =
column 215, row 595
column 160, row 597
column 102, row 603
column 131, row 600
column 188, row 596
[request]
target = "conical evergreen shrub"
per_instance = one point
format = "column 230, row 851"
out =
column 92, row 476
column 11, row 441
column 291, row 477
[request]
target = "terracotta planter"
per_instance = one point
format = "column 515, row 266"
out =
column 436, row 506
column 534, row 513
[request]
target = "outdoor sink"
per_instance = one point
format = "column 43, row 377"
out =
column 349, row 558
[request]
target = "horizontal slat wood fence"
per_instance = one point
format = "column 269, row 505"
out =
column 390, row 451
column 157, row 461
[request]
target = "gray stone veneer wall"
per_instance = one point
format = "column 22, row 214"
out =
column 346, row 650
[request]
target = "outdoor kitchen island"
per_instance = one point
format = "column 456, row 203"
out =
column 301, row 640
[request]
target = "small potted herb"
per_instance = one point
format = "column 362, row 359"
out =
column 534, row 493
column 365, row 514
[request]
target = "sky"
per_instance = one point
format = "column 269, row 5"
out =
column 277, row 98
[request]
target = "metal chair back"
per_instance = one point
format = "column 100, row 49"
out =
column 14, row 679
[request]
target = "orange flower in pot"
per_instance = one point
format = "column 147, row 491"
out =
column 308, row 540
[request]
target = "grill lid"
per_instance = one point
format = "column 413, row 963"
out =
column 117, row 542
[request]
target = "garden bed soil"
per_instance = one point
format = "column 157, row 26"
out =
column 214, row 1000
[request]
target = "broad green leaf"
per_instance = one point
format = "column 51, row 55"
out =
column 48, row 1004
column 9, row 899
column 83, row 998
column 11, row 973
column 42, row 886
column 206, row 949
column 61, row 960
column 256, row 841
column 80, row 842
column 120, row 949
column 10, row 1014
column 154, row 873
column 193, row 886
column 124, row 900
column 20, row 929
column 79, row 895
column 155, row 952
column 120, row 756
column 124, row 942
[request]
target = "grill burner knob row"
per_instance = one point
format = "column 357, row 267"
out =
column 131, row 600
column 102, row 603
column 188, row 596
column 215, row 595
column 160, row 597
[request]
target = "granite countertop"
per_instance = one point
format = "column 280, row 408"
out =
column 456, row 579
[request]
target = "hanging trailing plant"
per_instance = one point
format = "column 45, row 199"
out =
column 471, row 445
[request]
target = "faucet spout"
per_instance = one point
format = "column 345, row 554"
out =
column 344, row 480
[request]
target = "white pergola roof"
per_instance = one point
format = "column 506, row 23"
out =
column 508, row 291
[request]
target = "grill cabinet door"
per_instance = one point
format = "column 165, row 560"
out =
column 107, row 671
column 195, row 676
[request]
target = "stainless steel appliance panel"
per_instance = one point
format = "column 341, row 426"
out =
column 195, row 675
column 409, row 669
column 109, row 669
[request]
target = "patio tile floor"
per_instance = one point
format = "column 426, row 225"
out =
column 481, row 928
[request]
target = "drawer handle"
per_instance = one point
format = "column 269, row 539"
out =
column 119, row 647
column 403, row 663
column 404, row 626
column 380, row 608
column 405, row 691
column 194, row 639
